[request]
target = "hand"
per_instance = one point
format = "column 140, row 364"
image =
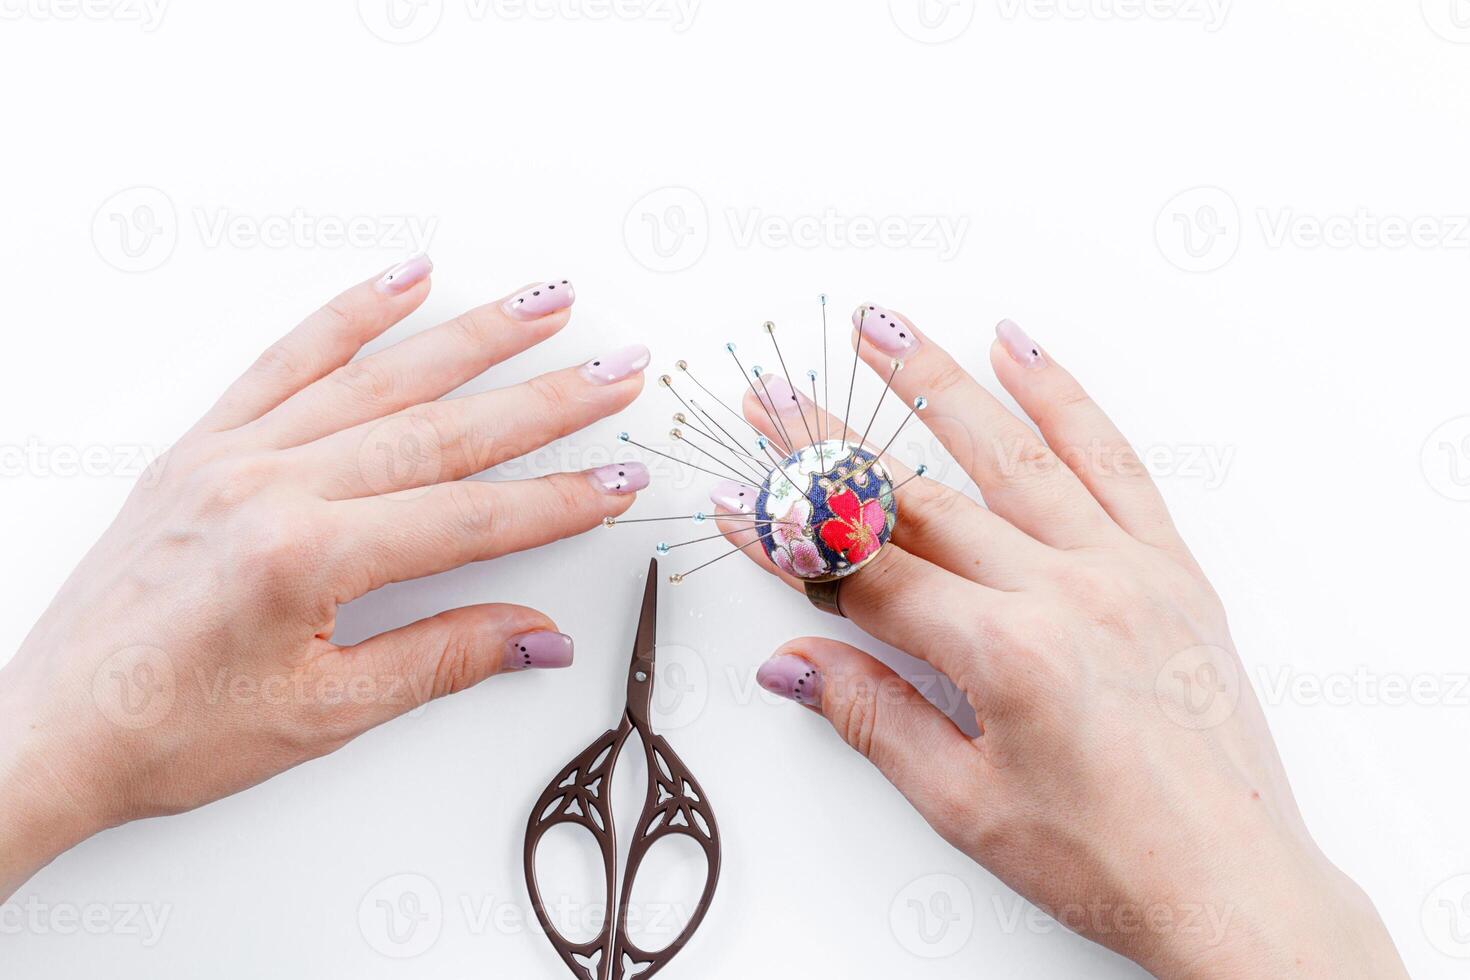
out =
column 189, row 655
column 1124, row 779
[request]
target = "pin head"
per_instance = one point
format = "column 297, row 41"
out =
column 682, row 365
column 679, row 418
column 768, row 327
column 811, row 374
column 921, row 403
column 730, row 347
column 665, row 380
column 608, row 522
column 661, row 548
column 622, row 437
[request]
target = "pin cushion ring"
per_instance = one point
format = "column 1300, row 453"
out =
column 823, row 513
column 821, row 508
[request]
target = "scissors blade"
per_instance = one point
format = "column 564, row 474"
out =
column 640, row 671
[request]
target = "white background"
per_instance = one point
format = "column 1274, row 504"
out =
column 1304, row 401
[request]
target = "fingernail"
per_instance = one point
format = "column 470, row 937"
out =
column 734, row 496
column 616, row 366
column 404, row 274
column 791, row 677
column 782, row 398
column 884, row 330
column 620, row 477
column 1022, row 348
column 540, row 300
column 539, row 650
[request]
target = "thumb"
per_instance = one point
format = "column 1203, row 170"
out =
column 914, row 744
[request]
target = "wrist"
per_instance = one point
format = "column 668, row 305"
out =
column 1307, row 919
column 43, row 810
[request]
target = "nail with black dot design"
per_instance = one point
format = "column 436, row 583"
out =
column 541, row 649
column 620, row 478
column 732, row 496
column 1023, row 350
column 540, row 300
column 792, row 676
column 885, row 330
column 617, row 366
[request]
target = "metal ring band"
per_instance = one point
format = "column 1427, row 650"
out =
column 825, row 596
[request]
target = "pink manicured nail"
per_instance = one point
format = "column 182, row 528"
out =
column 783, row 399
column 791, row 677
column 737, row 497
column 541, row 649
column 620, row 477
column 404, row 274
column 884, row 330
column 616, row 366
column 540, row 300
column 1023, row 349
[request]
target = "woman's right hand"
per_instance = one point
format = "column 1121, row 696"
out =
column 1124, row 779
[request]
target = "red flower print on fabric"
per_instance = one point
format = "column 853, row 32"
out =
column 855, row 529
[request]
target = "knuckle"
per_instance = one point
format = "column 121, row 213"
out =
column 1022, row 459
column 858, row 716
column 455, row 667
column 224, row 486
column 473, row 327
column 367, row 380
column 477, row 515
column 339, row 315
column 946, row 378
column 554, row 398
column 278, row 362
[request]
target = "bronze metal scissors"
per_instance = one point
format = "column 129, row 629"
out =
column 675, row 804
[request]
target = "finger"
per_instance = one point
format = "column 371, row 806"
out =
column 906, row 602
column 421, row 368
column 914, row 744
column 1020, row 477
column 394, row 672
column 936, row 523
column 323, row 341
column 443, row 441
column 409, row 535
column 1083, row 436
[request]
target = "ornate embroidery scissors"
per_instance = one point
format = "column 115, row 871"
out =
column 580, row 795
